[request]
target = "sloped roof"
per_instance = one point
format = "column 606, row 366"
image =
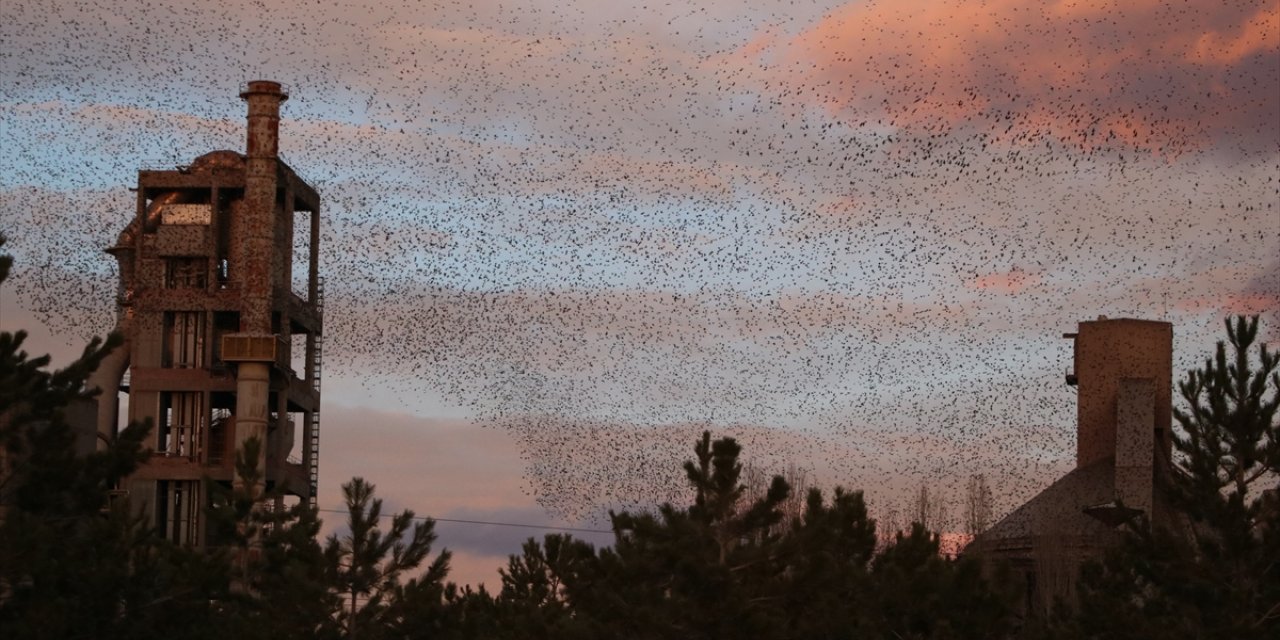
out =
column 1057, row 511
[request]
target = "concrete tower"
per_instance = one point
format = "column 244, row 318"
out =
column 222, row 325
column 1108, row 355
column 1123, row 370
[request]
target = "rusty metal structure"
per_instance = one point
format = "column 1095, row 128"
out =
column 219, row 346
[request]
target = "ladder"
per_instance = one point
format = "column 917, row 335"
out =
column 313, row 445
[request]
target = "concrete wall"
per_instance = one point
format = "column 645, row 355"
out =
column 1106, row 352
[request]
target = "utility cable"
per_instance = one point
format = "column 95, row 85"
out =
column 496, row 524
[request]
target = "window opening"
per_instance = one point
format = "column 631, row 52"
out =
column 185, row 273
column 220, row 426
column 179, row 513
column 186, row 339
column 224, row 322
column 290, row 439
column 298, row 355
column 184, row 425
column 300, row 254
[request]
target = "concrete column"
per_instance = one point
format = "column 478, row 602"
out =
column 252, row 391
column 1135, row 442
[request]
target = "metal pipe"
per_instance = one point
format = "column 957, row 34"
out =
column 222, row 159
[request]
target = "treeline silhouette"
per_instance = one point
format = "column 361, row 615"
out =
column 732, row 563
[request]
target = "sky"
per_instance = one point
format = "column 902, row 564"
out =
column 561, row 239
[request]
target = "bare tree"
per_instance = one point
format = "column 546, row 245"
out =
column 756, row 483
column 929, row 509
column 977, row 505
column 888, row 522
column 794, row 506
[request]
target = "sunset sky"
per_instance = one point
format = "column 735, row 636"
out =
column 562, row 238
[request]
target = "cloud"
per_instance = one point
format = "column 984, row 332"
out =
column 1231, row 45
column 1233, row 303
column 582, row 468
column 535, row 470
column 1146, row 75
column 60, row 273
column 476, row 569
column 860, row 230
column 1266, row 286
column 41, row 340
column 430, row 465
column 521, row 523
column 436, row 467
column 560, row 471
column 1012, row 281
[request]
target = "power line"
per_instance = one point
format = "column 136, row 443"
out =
column 543, row 527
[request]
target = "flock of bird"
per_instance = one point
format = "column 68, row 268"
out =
column 849, row 235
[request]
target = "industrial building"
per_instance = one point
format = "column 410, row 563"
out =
column 1123, row 374
column 223, row 326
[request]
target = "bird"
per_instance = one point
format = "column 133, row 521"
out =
column 846, row 234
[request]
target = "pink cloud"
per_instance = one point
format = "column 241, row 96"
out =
column 1232, row 303
column 432, row 465
column 1147, row 75
column 1012, row 281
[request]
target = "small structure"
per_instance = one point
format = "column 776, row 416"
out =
column 1123, row 371
column 219, row 346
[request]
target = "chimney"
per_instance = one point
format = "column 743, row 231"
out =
column 264, row 98
column 258, row 219
column 253, row 243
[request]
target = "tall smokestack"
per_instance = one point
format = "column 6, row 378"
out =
column 259, row 215
column 254, row 252
column 264, row 98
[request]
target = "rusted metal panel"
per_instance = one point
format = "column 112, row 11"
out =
column 302, row 396
column 302, row 192
column 183, row 240
column 177, row 468
column 301, row 312
column 157, row 299
column 244, row 347
column 187, row 214
column 292, row 477
column 163, row 180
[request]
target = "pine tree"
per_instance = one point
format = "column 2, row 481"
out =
column 1230, row 437
column 828, row 549
column 711, row 570
column 366, row 564
column 275, row 567
column 550, row 590
column 921, row 594
column 1229, row 446
column 73, row 563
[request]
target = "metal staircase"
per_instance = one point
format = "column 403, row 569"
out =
column 314, row 427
